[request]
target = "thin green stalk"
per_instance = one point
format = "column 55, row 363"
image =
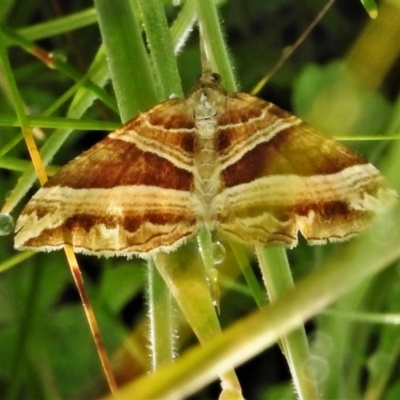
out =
column 135, row 90
column 382, row 365
column 14, row 164
column 15, row 260
column 60, row 25
column 91, row 73
column 12, row 85
column 183, row 25
column 370, row 7
column 278, row 280
column 23, row 336
column 342, row 343
column 127, row 58
column 82, row 100
column 14, row 141
column 205, row 244
column 161, row 319
column 214, row 41
column 55, row 123
column 58, row 63
column 160, row 44
column 252, row 282
column 360, row 259
column 185, row 276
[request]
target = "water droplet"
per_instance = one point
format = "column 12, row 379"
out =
column 322, row 344
column 6, row 224
column 58, row 55
column 316, row 369
column 213, row 276
column 173, row 96
column 176, row 2
column 219, row 252
column 212, row 279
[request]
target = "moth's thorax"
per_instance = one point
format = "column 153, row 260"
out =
column 207, row 107
column 207, row 100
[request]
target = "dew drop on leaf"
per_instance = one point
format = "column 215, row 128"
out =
column 219, row 252
column 316, row 368
column 6, row 224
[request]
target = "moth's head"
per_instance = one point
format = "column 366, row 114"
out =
column 207, row 98
column 209, row 78
column 208, row 82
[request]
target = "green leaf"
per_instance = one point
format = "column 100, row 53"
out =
column 127, row 58
column 371, row 8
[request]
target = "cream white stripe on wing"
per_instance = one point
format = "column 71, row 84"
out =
column 135, row 198
column 253, row 119
column 241, row 147
column 287, row 190
column 64, row 202
column 176, row 156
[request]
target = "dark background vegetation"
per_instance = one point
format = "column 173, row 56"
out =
column 45, row 347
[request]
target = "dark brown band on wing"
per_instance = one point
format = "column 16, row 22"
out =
column 335, row 209
column 130, row 223
column 134, row 233
column 165, row 136
column 234, row 125
column 326, row 210
column 287, row 153
column 318, row 223
column 169, row 121
column 251, row 108
column 114, row 162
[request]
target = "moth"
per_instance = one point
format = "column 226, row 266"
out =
column 230, row 162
